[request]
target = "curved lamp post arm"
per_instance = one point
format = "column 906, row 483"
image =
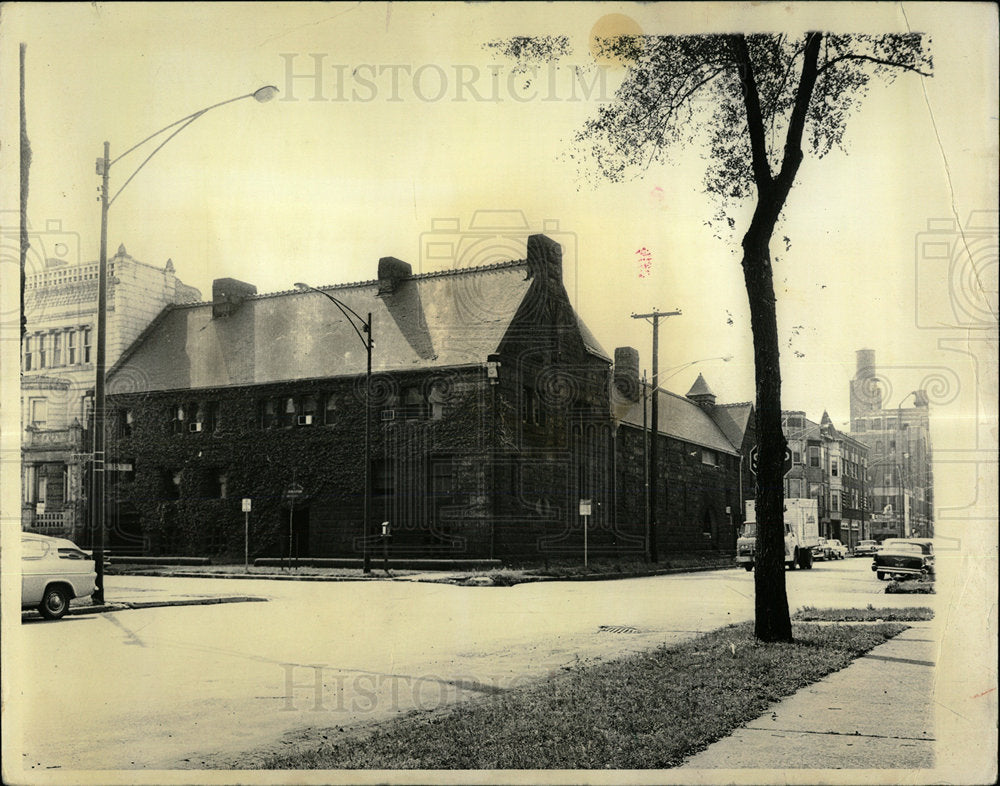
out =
column 346, row 310
column 261, row 95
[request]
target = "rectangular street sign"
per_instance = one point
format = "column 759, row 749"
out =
column 246, row 505
column 585, row 507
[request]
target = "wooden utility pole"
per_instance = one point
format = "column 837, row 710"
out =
column 654, row 442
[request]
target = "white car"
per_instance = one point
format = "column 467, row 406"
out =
column 836, row 549
column 53, row 572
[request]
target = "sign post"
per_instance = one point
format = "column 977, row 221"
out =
column 385, row 546
column 585, row 510
column 292, row 494
column 246, row 534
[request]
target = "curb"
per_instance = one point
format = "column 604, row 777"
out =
column 423, row 580
column 147, row 604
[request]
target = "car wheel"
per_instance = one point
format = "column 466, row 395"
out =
column 55, row 603
column 748, row 566
column 880, row 574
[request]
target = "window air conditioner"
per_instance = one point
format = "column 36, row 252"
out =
column 388, row 414
column 305, row 420
column 196, row 426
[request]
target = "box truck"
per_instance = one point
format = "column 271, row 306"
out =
column 801, row 534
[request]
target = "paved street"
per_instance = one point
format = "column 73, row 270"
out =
column 176, row 687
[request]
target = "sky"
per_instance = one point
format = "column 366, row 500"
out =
column 397, row 132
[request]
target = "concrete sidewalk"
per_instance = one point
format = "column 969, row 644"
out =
column 878, row 713
column 122, row 596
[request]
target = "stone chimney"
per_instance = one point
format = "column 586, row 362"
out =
column 544, row 258
column 701, row 394
column 626, row 377
column 228, row 294
column 391, row 272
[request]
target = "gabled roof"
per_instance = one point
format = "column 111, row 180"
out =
column 432, row 320
column 681, row 419
column 734, row 420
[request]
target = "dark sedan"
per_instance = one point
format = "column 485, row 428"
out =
column 902, row 558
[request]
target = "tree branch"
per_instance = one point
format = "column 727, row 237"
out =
column 755, row 124
column 877, row 60
column 803, row 96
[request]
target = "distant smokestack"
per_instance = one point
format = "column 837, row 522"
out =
column 866, row 364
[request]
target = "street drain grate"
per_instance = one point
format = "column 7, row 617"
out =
column 617, row 629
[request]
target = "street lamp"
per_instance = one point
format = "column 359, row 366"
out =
column 678, row 369
column 104, row 165
column 363, row 327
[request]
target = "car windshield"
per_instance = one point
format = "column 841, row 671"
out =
column 749, row 530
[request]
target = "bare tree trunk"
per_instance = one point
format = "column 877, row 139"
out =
column 770, row 600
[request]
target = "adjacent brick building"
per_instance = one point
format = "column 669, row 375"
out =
column 58, row 374
column 702, row 474
column 828, row 466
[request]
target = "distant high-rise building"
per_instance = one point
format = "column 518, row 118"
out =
column 899, row 482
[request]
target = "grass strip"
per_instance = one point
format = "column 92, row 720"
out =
column 650, row 710
column 870, row 614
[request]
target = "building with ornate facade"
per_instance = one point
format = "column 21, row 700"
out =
column 58, row 374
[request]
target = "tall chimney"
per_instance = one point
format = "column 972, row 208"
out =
column 228, row 294
column 390, row 272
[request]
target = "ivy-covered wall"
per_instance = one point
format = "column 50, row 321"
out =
column 187, row 486
column 692, row 497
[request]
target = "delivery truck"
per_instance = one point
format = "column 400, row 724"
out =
column 801, row 534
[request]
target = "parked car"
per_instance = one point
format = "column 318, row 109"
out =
column 835, row 549
column 904, row 557
column 866, row 548
column 53, row 572
column 821, row 550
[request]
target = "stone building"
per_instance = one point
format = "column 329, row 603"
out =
column 900, row 481
column 58, row 374
column 490, row 404
column 703, row 474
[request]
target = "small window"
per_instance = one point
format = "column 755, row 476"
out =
column 57, row 342
column 39, row 412
column 833, row 467
column 171, row 484
column 813, row 456
column 796, row 457
column 178, row 418
column 86, row 344
column 709, row 457
column 330, row 408
column 29, row 352
column 222, row 480
column 71, row 347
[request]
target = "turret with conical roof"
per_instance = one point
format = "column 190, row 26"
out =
column 701, row 394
